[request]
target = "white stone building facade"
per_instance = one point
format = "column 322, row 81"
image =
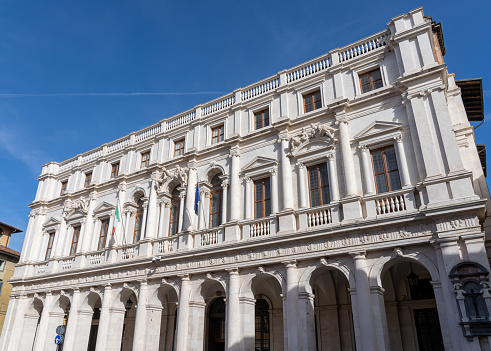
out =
column 342, row 205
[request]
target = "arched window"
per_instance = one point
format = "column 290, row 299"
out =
column 262, row 325
column 138, row 221
column 216, row 202
column 174, row 212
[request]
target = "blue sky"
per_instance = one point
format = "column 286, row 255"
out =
column 69, row 70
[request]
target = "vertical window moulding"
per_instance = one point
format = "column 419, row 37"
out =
column 262, row 198
column 385, row 170
column 261, row 119
column 174, row 213
column 370, row 81
column 312, row 101
column 319, row 185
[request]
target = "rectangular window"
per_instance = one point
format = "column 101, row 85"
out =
column 103, row 234
column 76, row 235
column 145, row 159
column 88, row 179
column 370, row 81
column 318, row 185
column 217, row 134
column 63, row 187
column 385, row 169
column 312, row 101
column 261, row 119
column 179, row 147
column 262, row 198
column 114, row 170
column 51, row 239
column 174, row 213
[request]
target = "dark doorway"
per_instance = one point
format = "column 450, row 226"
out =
column 262, row 325
column 94, row 328
column 428, row 329
column 216, row 325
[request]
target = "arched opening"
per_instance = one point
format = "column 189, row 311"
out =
column 128, row 322
column 161, row 319
column 216, row 201
column 87, row 323
column 174, row 212
column 94, row 326
column 262, row 306
column 262, row 325
column 216, row 325
column 333, row 313
column 410, row 307
column 31, row 323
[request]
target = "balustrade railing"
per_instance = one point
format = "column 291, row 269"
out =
column 309, row 68
column 260, row 88
column 218, row 104
column 169, row 244
column 398, row 201
column 128, row 253
column 318, row 216
column 95, row 258
column 363, row 46
column 181, row 119
column 390, row 204
column 148, row 132
column 260, row 228
column 41, row 268
column 210, row 238
column 67, row 263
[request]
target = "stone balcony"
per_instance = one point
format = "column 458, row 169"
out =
column 327, row 218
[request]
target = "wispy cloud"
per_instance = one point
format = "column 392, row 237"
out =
column 109, row 94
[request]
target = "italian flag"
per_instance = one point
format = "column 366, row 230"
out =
column 116, row 219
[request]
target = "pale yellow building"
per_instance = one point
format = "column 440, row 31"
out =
column 8, row 259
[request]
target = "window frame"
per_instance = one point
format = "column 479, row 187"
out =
column 103, row 222
column 319, row 184
column 139, row 210
column 264, row 199
column 49, row 247
column 180, row 149
column 144, row 159
column 386, row 172
column 64, row 186
column 221, row 134
column 312, row 94
column 88, row 179
column 216, row 189
column 175, row 201
column 262, row 113
column 371, row 81
column 114, row 174
column 75, row 239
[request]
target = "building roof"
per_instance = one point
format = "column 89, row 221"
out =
column 8, row 251
column 14, row 229
column 472, row 96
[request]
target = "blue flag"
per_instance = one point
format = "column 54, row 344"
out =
column 197, row 199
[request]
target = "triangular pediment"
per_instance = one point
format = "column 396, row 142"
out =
column 104, row 207
column 377, row 129
column 75, row 214
column 312, row 146
column 259, row 162
column 51, row 222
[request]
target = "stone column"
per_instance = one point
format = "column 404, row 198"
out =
column 42, row 332
column 292, row 304
column 73, row 321
column 166, row 218
column 89, row 223
column 183, row 314
column 14, row 324
column 348, row 165
column 367, row 170
column 286, row 174
column 189, row 222
column 274, row 191
column 333, row 177
column 306, row 321
column 182, row 198
column 151, row 225
column 235, row 184
column 224, row 200
column 161, row 219
column 30, row 233
column 233, row 313
column 104, row 320
column 447, row 134
column 365, row 313
column 204, row 210
column 302, row 186
column 60, row 237
column 126, row 227
column 38, row 236
column 401, row 157
column 380, row 317
column 141, row 319
column 248, row 198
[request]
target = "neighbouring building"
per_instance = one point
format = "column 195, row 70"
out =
column 8, row 259
column 341, row 207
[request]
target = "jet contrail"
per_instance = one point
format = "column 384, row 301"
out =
column 106, row 94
